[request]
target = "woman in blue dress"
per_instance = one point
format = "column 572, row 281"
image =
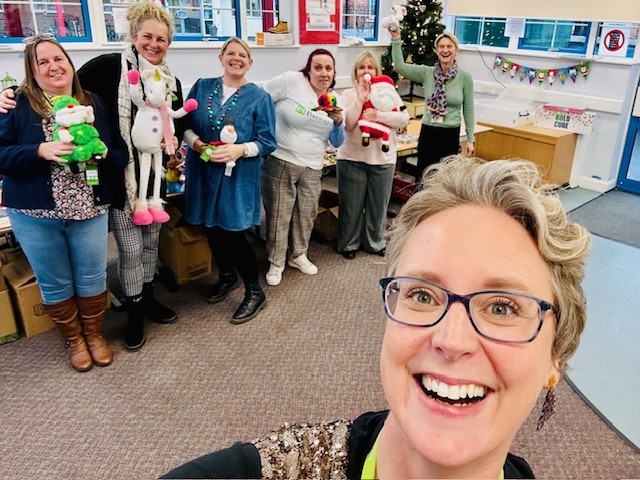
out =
column 230, row 132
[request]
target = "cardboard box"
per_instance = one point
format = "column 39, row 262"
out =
column 8, row 328
column 26, row 297
column 274, row 39
column 183, row 248
column 404, row 186
column 327, row 223
column 9, row 254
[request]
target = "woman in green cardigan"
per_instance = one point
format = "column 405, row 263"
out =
column 448, row 91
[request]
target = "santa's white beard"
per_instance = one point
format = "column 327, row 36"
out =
column 384, row 99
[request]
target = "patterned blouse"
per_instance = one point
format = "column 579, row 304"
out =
column 72, row 196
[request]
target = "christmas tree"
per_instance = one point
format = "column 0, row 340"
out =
column 420, row 27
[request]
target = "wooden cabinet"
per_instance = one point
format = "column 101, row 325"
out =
column 415, row 106
column 552, row 150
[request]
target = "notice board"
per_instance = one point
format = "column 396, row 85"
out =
column 319, row 22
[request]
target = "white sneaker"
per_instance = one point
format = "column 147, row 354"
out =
column 303, row 264
column 274, row 275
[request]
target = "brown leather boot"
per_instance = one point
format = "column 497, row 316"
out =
column 65, row 316
column 92, row 312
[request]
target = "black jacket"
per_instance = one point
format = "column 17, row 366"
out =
column 242, row 460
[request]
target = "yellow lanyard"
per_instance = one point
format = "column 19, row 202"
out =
column 369, row 467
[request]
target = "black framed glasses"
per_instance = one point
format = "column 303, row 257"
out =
column 495, row 314
column 41, row 36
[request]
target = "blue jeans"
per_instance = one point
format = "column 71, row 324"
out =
column 69, row 257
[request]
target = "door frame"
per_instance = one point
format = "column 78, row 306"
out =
column 625, row 184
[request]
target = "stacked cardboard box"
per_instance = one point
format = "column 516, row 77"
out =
column 183, row 248
column 327, row 223
column 27, row 301
column 8, row 327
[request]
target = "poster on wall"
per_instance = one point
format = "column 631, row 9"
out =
column 319, row 22
column 614, row 39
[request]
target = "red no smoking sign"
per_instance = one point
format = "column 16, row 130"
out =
column 614, row 40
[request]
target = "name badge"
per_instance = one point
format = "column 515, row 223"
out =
column 436, row 118
column 91, row 174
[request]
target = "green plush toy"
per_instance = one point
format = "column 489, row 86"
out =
column 74, row 124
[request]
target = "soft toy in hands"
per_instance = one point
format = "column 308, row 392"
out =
column 228, row 135
column 152, row 125
column 327, row 102
column 175, row 176
column 74, row 124
column 396, row 15
column 384, row 98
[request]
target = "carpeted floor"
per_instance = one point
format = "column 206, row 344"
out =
column 614, row 215
column 202, row 383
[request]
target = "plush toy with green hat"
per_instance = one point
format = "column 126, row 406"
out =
column 74, row 124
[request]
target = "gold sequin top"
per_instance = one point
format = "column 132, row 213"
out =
column 303, row 450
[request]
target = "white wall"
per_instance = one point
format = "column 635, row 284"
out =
column 189, row 64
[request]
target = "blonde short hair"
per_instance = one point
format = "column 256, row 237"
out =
column 140, row 12
column 237, row 40
column 360, row 60
column 516, row 188
column 448, row 35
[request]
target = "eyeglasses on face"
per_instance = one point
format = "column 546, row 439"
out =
column 41, row 36
column 496, row 315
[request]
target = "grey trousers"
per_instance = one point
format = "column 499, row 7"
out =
column 363, row 195
column 290, row 194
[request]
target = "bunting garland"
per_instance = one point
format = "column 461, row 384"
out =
column 550, row 75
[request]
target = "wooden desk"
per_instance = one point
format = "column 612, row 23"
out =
column 551, row 149
column 411, row 148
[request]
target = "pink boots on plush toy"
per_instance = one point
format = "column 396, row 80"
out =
column 150, row 215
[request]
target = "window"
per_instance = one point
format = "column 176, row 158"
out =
column 481, row 31
column 203, row 19
column 261, row 16
column 68, row 20
column 556, row 35
column 359, row 19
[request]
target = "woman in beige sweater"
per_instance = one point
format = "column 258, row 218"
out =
column 365, row 172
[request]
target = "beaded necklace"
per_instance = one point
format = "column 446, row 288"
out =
column 218, row 122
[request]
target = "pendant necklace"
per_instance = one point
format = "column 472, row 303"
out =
column 218, row 122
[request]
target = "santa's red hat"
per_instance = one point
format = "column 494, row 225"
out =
column 383, row 79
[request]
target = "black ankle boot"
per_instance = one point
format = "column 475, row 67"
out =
column 153, row 310
column 134, row 337
column 227, row 282
column 254, row 301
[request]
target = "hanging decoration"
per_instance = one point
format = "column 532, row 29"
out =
column 542, row 75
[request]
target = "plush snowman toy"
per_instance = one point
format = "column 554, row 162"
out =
column 228, row 135
column 384, row 98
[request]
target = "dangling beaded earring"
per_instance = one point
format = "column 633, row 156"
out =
column 549, row 405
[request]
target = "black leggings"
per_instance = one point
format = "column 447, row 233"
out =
column 232, row 250
column 435, row 143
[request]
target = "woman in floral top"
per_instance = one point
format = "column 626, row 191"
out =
column 59, row 213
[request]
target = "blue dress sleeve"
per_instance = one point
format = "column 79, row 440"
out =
column 336, row 137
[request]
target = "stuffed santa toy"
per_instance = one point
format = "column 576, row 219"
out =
column 384, row 98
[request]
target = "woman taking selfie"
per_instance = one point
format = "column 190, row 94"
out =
column 477, row 326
